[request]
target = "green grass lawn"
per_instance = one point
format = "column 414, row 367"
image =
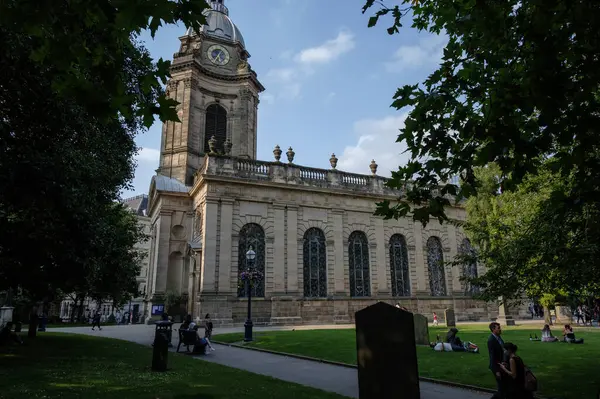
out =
column 77, row 366
column 564, row 371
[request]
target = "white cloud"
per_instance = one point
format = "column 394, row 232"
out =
column 328, row 51
column 376, row 140
column 428, row 52
column 287, row 81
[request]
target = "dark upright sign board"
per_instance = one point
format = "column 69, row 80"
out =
column 386, row 353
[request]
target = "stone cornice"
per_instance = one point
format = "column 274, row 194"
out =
column 188, row 62
column 182, row 148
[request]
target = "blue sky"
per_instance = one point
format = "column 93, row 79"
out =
column 329, row 82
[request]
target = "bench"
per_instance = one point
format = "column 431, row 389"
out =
column 187, row 338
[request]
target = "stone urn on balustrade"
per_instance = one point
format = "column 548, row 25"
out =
column 277, row 153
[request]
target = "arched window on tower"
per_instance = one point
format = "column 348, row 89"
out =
column 399, row 266
column 358, row 262
column 216, row 125
column 315, row 264
column 469, row 266
column 435, row 266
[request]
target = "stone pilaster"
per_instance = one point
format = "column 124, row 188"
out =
column 292, row 251
column 209, row 247
column 383, row 288
column 420, row 261
column 338, row 239
column 225, row 247
column 279, row 249
column 453, row 281
column 164, row 250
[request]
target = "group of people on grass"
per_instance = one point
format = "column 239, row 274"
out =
column 514, row 380
column 453, row 343
column 568, row 335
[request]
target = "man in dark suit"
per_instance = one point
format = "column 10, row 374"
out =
column 496, row 350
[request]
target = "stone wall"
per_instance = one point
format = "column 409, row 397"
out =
column 298, row 311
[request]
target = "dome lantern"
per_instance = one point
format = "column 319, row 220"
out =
column 219, row 25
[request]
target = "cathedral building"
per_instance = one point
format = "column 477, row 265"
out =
column 322, row 253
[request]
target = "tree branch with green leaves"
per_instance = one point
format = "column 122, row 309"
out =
column 517, row 83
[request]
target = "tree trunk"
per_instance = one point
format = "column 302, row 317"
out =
column 33, row 322
column 80, row 310
column 547, row 316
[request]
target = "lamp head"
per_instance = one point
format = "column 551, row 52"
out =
column 250, row 255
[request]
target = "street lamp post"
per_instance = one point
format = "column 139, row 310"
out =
column 250, row 256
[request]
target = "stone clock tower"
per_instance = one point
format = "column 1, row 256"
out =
column 217, row 91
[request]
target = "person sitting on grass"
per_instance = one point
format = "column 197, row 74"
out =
column 547, row 334
column 454, row 341
column 569, row 335
column 457, row 345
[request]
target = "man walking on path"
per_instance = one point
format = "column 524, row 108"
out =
column 96, row 321
column 496, row 351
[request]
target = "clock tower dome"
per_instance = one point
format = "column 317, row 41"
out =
column 217, row 91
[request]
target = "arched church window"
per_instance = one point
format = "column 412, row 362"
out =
column 252, row 235
column 435, row 265
column 399, row 266
column 315, row 264
column 216, row 125
column 358, row 262
column 469, row 266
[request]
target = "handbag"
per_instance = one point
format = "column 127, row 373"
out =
column 531, row 383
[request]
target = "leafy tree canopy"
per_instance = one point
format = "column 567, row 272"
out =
column 116, row 264
column 89, row 47
column 518, row 83
column 76, row 88
column 534, row 241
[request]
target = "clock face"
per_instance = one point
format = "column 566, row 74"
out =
column 218, row 55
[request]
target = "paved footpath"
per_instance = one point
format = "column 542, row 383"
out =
column 327, row 377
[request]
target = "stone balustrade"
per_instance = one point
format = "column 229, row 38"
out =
column 292, row 174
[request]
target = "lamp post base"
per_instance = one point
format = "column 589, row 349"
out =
column 248, row 330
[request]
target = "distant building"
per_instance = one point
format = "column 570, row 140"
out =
column 134, row 310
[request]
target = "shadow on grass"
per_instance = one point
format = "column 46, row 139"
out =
column 73, row 366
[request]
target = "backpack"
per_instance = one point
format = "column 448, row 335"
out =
column 531, row 384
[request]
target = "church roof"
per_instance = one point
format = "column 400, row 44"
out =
column 219, row 25
column 138, row 204
column 164, row 183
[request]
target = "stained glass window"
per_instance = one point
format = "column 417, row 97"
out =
column 399, row 266
column 469, row 266
column 315, row 264
column 215, row 125
column 435, row 265
column 358, row 259
column 252, row 235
